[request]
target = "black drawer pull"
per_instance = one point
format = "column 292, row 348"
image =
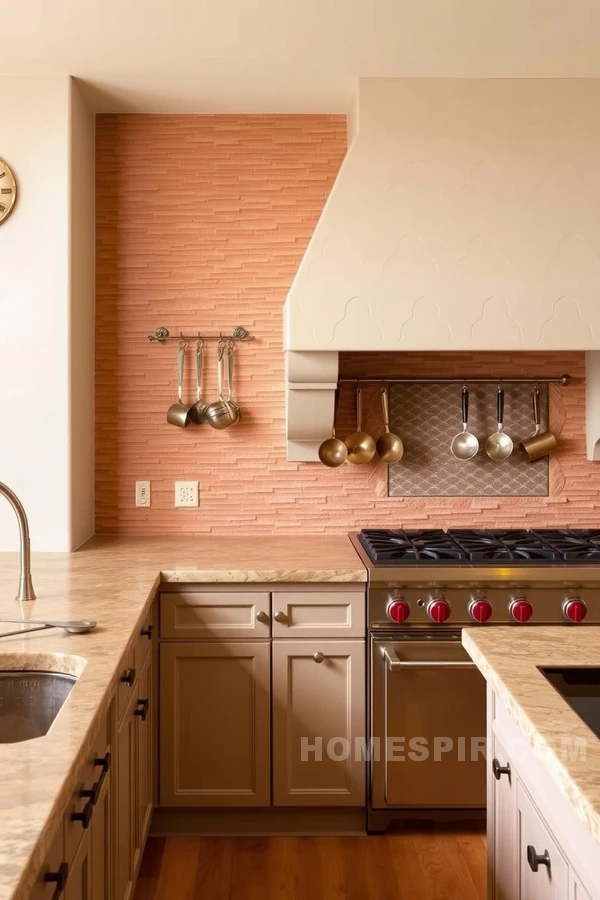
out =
column 58, row 878
column 128, row 677
column 147, row 632
column 499, row 770
column 536, row 860
column 85, row 816
column 142, row 710
column 94, row 792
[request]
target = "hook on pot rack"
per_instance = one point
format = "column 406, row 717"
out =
column 162, row 334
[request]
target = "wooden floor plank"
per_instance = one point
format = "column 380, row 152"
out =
column 424, row 864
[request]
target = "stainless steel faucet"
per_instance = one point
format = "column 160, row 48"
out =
column 26, row 591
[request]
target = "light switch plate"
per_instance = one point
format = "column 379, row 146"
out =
column 186, row 493
column 142, row 493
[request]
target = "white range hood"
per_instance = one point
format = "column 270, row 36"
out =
column 465, row 216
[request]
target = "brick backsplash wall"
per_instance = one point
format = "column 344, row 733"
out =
column 201, row 224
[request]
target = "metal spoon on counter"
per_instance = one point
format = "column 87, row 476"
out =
column 73, row 626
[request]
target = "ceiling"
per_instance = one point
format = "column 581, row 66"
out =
column 288, row 55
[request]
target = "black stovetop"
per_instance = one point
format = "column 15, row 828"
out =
column 434, row 546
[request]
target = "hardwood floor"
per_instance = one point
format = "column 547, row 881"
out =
column 428, row 864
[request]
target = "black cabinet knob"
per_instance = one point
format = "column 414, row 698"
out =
column 94, row 792
column 59, row 878
column 499, row 770
column 142, row 709
column 85, row 816
column 147, row 632
column 128, row 677
column 536, row 860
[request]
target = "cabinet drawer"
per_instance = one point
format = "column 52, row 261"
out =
column 214, row 615
column 314, row 614
column 89, row 775
column 126, row 680
column 143, row 641
column 538, row 881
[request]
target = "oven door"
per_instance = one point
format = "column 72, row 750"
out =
column 428, row 710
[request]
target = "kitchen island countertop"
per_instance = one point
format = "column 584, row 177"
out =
column 509, row 658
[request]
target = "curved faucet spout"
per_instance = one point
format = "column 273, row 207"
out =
column 26, row 591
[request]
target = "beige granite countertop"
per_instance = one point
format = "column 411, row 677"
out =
column 113, row 581
column 509, row 658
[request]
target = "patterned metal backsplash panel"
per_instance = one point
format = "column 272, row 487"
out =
column 427, row 416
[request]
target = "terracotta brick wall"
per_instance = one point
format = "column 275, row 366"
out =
column 201, row 224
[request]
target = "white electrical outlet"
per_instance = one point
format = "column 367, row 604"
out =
column 186, row 493
column 142, row 493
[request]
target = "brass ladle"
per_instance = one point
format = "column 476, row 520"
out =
column 333, row 452
column 360, row 445
column 389, row 446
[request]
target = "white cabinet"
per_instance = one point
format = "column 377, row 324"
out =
column 538, row 848
column 543, row 872
column 502, row 836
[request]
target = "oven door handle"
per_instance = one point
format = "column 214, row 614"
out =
column 394, row 663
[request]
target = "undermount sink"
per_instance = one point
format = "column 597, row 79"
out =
column 30, row 702
column 580, row 687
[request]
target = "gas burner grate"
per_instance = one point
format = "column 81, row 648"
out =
column 398, row 546
column 572, row 544
column 434, row 546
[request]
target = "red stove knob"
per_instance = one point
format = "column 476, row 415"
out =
column 574, row 609
column 398, row 610
column 520, row 609
column 480, row 609
column 438, row 610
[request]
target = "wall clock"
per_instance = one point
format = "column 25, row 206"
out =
column 8, row 191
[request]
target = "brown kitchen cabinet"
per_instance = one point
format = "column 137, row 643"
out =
column 215, row 615
column 101, row 842
column 125, row 801
column 133, row 781
column 53, row 874
column 215, row 723
column 79, row 882
column 319, row 696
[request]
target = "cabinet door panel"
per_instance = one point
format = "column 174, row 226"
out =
column 125, row 799
column 43, row 890
column 215, row 724
column 210, row 615
column 313, row 614
column 101, row 838
column 548, row 882
column 503, row 847
column 577, row 891
column 144, row 770
column 319, row 702
column 79, row 882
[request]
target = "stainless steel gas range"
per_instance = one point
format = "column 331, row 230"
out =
column 426, row 697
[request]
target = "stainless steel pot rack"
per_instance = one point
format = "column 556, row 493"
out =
column 564, row 380
column 163, row 334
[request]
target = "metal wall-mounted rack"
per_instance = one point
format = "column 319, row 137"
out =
column 564, row 380
column 162, row 334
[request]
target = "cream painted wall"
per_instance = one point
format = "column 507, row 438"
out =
column 46, row 136
column 82, row 246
